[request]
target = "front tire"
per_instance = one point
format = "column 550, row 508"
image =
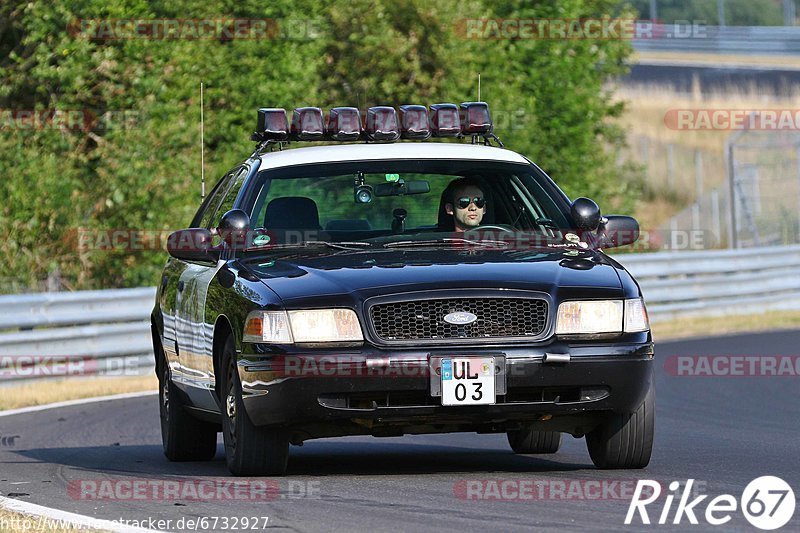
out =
column 250, row 450
column 625, row 440
column 531, row 441
column 183, row 437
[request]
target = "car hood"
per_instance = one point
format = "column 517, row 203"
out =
column 349, row 277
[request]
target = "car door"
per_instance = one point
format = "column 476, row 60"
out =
column 194, row 333
column 169, row 296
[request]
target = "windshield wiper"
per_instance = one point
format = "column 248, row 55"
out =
column 344, row 245
column 488, row 243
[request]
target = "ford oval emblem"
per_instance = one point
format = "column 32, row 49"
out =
column 460, row 318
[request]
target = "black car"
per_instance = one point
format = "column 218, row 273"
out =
column 388, row 288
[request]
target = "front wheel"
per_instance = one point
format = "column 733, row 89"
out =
column 184, row 437
column 625, row 440
column 531, row 441
column 250, row 450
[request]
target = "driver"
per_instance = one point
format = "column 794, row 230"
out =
column 466, row 202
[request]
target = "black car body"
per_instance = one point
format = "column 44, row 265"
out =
column 399, row 282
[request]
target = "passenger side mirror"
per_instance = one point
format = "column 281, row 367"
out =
column 193, row 244
column 618, row 230
column 586, row 214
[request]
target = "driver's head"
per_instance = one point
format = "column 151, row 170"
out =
column 466, row 202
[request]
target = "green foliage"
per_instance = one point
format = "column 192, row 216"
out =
column 139, row 167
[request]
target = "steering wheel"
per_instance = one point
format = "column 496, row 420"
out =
column 492, row 227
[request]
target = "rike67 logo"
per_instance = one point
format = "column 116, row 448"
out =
column 767, row 502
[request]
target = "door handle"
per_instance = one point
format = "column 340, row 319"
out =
column 181, row 286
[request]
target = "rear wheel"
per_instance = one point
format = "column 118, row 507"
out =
column 250, row 450
column 529, row 441
column 184, row 437
column 625, row 440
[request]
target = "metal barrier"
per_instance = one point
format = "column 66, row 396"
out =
column 76, row 334
column 108, row 332
column 717, row 282
column 745, row 40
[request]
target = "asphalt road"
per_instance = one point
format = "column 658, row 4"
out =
column 721, row 431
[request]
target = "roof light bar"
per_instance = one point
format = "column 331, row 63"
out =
column 344, row 124
column 271, row 125
column 445, row 121
column 382, row 124
column 307, row 124
column 414, row 122
column 475, row 118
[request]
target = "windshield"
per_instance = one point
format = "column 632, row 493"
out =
column 396, row 202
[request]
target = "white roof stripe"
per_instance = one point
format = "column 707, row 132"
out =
column 401, row 150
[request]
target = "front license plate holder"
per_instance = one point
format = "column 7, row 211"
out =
column 474, row 372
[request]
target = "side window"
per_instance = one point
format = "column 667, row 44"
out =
column 230, row 197
column 212, row 201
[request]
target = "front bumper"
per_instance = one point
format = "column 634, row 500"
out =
column 389, row 392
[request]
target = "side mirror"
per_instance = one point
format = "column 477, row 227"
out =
column 193, row 244
column 586, row 214
column 234, row 229
column 618, row 230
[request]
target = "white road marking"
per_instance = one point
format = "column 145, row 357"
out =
column 65, row 518
column 28, row 508
column 70, row 403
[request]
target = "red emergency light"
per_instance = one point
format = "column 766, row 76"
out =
column 307, row 124
column 414, row 122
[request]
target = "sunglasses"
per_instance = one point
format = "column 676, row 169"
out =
column 464, row 202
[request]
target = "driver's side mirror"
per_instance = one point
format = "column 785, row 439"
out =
column 612, row 230
column 618, row 230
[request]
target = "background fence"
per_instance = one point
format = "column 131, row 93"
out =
column 757, row 205
column 745, row 40
column 108, row 332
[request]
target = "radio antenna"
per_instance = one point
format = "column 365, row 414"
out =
column 479, row 86
column 202, row 148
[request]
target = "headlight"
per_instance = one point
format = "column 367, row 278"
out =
column 589, row 317
column 601, row 316
column 306, row 326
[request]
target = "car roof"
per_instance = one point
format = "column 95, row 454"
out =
column 376, row 151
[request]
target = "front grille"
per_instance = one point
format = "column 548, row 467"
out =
column 498, row 318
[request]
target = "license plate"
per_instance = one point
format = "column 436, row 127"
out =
column 468, row 381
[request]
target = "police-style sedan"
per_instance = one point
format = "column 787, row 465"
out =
column 388, row 288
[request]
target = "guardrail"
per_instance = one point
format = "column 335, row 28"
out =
column 745, row 40
column 717, row 282
column 75, row 334
column 108, row 332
